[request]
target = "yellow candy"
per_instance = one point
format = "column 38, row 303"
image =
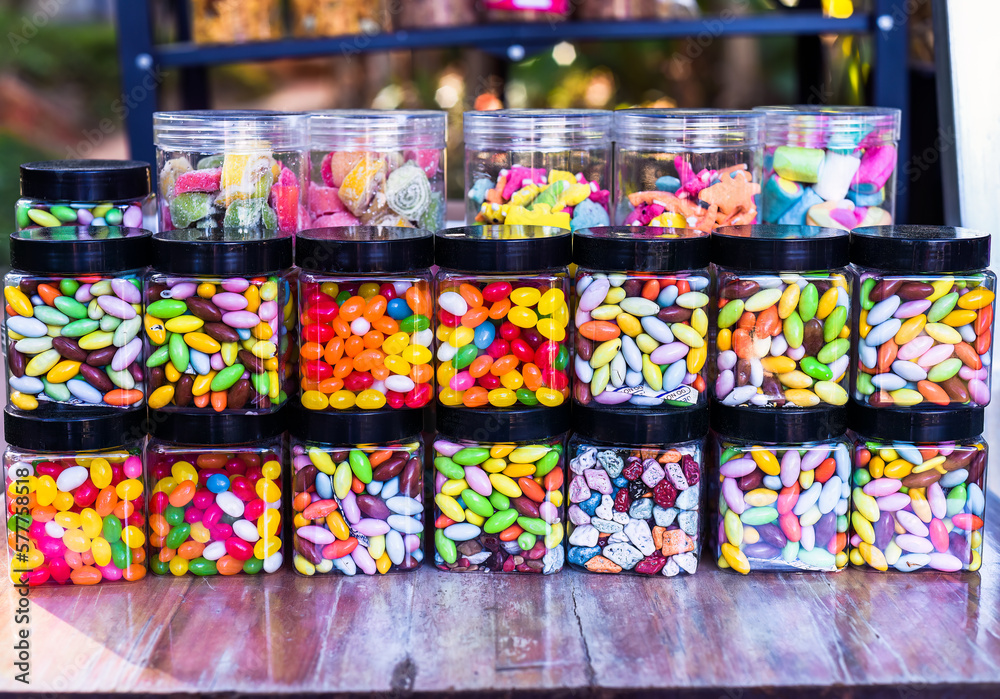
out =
column 872, row 556
column 866, row 505
column 941, row 287
column 266, row 547
column 268, row 524
column 501, row 451
column 462, row 336
column 450, row 508
column 905, row 397
column 184, row 471
column 155, row 331
column 271, row 469
column 549, row 397
column 494, row 465
column 830, row 392
column 520, row 316
column 76, row 541
column 68, row 520
column 528, row 454
column 263, row 350
column 370, row 399
column 554, row 536
column 519, row 470
column 766, row 460
column 736, row 559
column 504, row 485
column 178, row 566
column 827, row 302
column 24, row 401
column 41, row 363
column 548, row 302
column 159, row 398
column 205, row 290
column 342, row 399
column 472, row 518
column 165, row 485
column 63, row 501
column 802, row 397
column 789, row 301
column 862, row 527
column 183, row 324
column 527, row 296
column 502, row 397
column 696, row 358
column 778, row 365
column 512, row 380
column 91, row 522
column 669, row 220
column 550, row 329
column 910, row 328
column 615, row 295
column 45, row 490
column 129, row 489
column 943, row 333
column 418, row 354
column 958, row 318
column 202, row 342
column 555, row 497
column 101, row 551
column 450, row 397
column 170, row 371
column 761, row 497
column 96, row 340
column 311, row 400
column 395, row 344
column 133, row 537
column 302, row 565
column 454, row 487
column 976, row 299
column 629, row 324
column 795, row 379
column 267, row 490
column 699, row 322
column 200, row 533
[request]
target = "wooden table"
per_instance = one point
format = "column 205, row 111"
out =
column 716, row 634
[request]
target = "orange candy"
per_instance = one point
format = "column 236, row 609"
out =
column 49, row 294
column 352, row 309
column 500, row 309
column 887, row 355
column 553, row 479
column 85, row 575
column 475, row 317
column 183, row 494
column 768, row 323
column 480, row 366
column 189, row 550
column 504, row 364
column 311, row 350
column 227, row 565
column 933, row 392
column 475, row 397
column 511, row 533
column 600, row 330
column 376, row 308
column 531, row 489
column 471, row 294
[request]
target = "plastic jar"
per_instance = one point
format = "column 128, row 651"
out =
column 340, row 17
column 377, row 167
column 642, row 305
column 219, row 309
column 358, row 492
column 546, row 167
column 502, row 315
column 365, row 310
column 687, row 168
column 231, row 169
column 925, row 322
column 498, row 497
column 73, row 317
column 214, row 22
column 74, row 497
column 918, row 499
column 86, row 193
column 783, row 328
column 635, row 477
column 216, row 497
column 833, row 167
column 783, row 489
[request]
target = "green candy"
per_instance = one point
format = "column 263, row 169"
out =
column 448, row 468
column 253, row 566
column 210, row 161
column 833, row 351
column 174, row 515
column 94, row 310
column 18, row 523
column 818, row 557
column 203, row 566
column 500, row 521
column 187, row 208
column 526, row 396
column 50, row 316
column 956, row 499
column 120, row 554
column 945, row 370
column 464, row 357
column 562, row 358
column 109, row 323
column 728, row 454
column 159, row 567
column 790, row 552
column 177, row 536
column 499, row 500
column 68, row 287
column 243, row 214
column 361, row 467
column 812, row 367
column 808, row 302
column 526, row 541
column 842, row 519
column 535, row 525
column 793, row 329
column 757, row 516
column 112, row 529
column 477, row 503
column 261, row 383
column 834, row 323
column 179, row 353
column 224, row 380
column 165, row 309
column 343, row 296
column 56, row 391
column 113, row 217
column 22, row 217
column 942, row 307
column 546, row 463
column 414, row 323
column 730, row 313
column 71, row 307
column 864, row 384
column 866, row 292
column 159, row 357
column 471, row 456
column 445, row 547
column 66, row 214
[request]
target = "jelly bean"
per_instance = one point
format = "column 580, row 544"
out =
column 31, row 212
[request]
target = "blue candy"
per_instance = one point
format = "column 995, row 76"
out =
column 667, row 184
column 590, row 504
column 398, row 309
column 589, row 214
column 796, row 216
column 217, row 483
column 579, row 555
column 484, row 335
column 479, row 189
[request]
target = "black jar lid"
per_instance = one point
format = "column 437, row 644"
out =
column 79, row 249
column 769, row 248
column 642, row 249
column 638, row 426
column 78, row 429
column 503, row 424
column 214, row 252
column 214, row 429
column 85, row 180
column 345, row 427
column 779, row 425
column 916, row 424
column 924, row 249
column 364, row 249
column 503, row 248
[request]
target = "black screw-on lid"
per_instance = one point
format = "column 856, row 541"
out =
column 779, row 425
column 214, row 252
column 503, row 248
column 503, row 424
column 916, row 424
column 79, row 249
column 637, row 426
column 356, row 426
column 768, row 248
column 364, row 249
column 925, row 249
column 641, row 249
column 85, row 180
column 211, row 428
column 78, row 429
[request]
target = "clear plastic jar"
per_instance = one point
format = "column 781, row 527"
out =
column 74, row 497
column 86, row 193
column 919, row 480
column 216, row 497
column 634, row 492
column 358, row 492
column 377, row 167
column 498, row 479
column 233, row 170
column 526, row 10
column 73, row 317
column 783, row 328
column 502, row 315
column 833, row 167
column 365, row 310
column 544, row 167
column 219, row 310
column 642, row 305
column 783, row 489
column 214, row 22
column 925, row 316
column 340, row 17
column 687, row 168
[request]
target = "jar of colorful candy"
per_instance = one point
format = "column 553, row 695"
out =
column 365, row 313
column 215, row 504
column 502, row 316
column 358, row 492
column 783, row 489
column 687, row 168
column 498, row 497
column 634, row 492
column 546, row 167
column 377, row 167
column 641, row 318
column 74, row 497
column 219, row 309
column 918, row 496
column 782, row 331
column 86, row 193
column 73, row 317
column 231, row 170
column 925, row 322
column 833, row 167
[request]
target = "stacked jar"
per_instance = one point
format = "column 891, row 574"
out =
column 374, row 167
column 833, row 167
column 219, row 311
column 231, row 170
column 545, row 167
column 642, row 316
column 685, row 168
column 86, row 193
column 72, row 318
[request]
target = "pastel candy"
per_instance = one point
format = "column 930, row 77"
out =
column 836, row 175
column 589, row 214
column 876, row 198
column 799, row 164
column 877, row 165
column 779, row 196
column 796, row 214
